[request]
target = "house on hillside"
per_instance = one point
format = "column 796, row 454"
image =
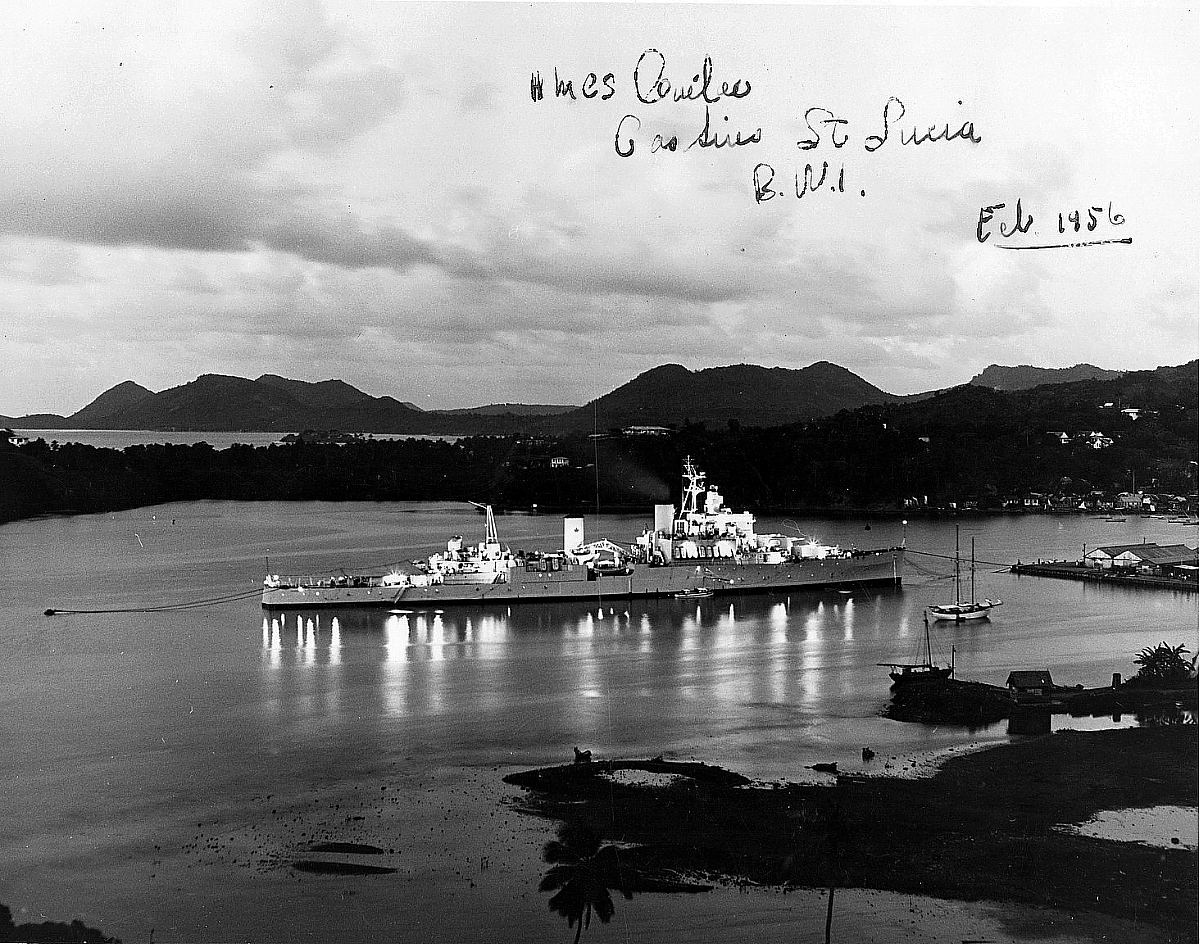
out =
column 1097, row 500
column 1096, row 440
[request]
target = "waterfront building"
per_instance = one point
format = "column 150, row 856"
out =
column 1142, row 558
column 1030, row 687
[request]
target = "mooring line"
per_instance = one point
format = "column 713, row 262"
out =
column 167, row 607
column 909, row 550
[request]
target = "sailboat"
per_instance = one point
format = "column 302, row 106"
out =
column 904, row 673
column 961, row 610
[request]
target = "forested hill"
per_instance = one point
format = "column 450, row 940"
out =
column 1025, row 376
column 966, row 445
column 745, row 393
column 667, row 395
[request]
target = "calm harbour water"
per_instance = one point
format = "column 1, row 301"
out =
column 160, row 769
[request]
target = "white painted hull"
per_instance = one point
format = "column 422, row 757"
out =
column 960, row 612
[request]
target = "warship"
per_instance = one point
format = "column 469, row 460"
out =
column 700, row 549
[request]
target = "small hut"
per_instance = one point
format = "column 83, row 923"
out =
column 1030, row 688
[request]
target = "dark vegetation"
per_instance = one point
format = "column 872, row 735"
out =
column 1164, row 691
column 1164, row 665
column 965, row 445
column 970, row 832
column 50, row 932
column 975, row 704
column 583, row 872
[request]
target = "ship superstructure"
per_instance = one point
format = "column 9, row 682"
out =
column 706, row 529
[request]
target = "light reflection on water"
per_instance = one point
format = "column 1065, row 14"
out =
column 815, row 654
column 185, row 717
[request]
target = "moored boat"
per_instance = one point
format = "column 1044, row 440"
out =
column 704, row 544
column 906, row 673
column 961, row 610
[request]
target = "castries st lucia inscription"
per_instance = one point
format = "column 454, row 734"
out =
column 717, row 126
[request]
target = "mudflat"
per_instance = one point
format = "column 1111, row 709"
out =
column 981, row 828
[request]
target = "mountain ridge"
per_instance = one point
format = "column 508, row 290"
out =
column 666, row 395
column 744, row 393
column 1026, row 376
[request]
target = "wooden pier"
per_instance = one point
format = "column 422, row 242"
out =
column 1069, row 570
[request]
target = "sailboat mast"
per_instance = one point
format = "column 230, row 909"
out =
column 957, row 582
column 972, row 569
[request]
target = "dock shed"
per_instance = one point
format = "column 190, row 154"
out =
column 1030, row 687
column 1144, row 558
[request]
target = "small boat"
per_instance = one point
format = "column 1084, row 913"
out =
column 961, row 610
column 905, row 673
column 694, row 593
column 1116, row 519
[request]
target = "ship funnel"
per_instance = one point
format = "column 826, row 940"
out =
column 664, row 515
column 572, row 533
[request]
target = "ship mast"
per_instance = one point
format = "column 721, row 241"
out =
column 692, row 489
column 957, row 582
column 972, row 569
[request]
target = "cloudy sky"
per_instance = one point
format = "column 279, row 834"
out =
column 370, row 192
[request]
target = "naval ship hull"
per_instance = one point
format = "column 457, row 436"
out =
column 579, row 582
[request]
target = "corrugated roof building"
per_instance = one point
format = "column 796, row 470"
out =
column 1147, row 558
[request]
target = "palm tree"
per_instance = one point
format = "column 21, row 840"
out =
column 583, row 871
column 1164, row 663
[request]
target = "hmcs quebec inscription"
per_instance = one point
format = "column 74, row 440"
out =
column 652, row 83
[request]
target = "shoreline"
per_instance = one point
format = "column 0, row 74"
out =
column 832, row 512
column 963, row 701
column 967, row 833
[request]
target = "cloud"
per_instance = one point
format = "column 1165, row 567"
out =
column 368, row 192
column 223, row 103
